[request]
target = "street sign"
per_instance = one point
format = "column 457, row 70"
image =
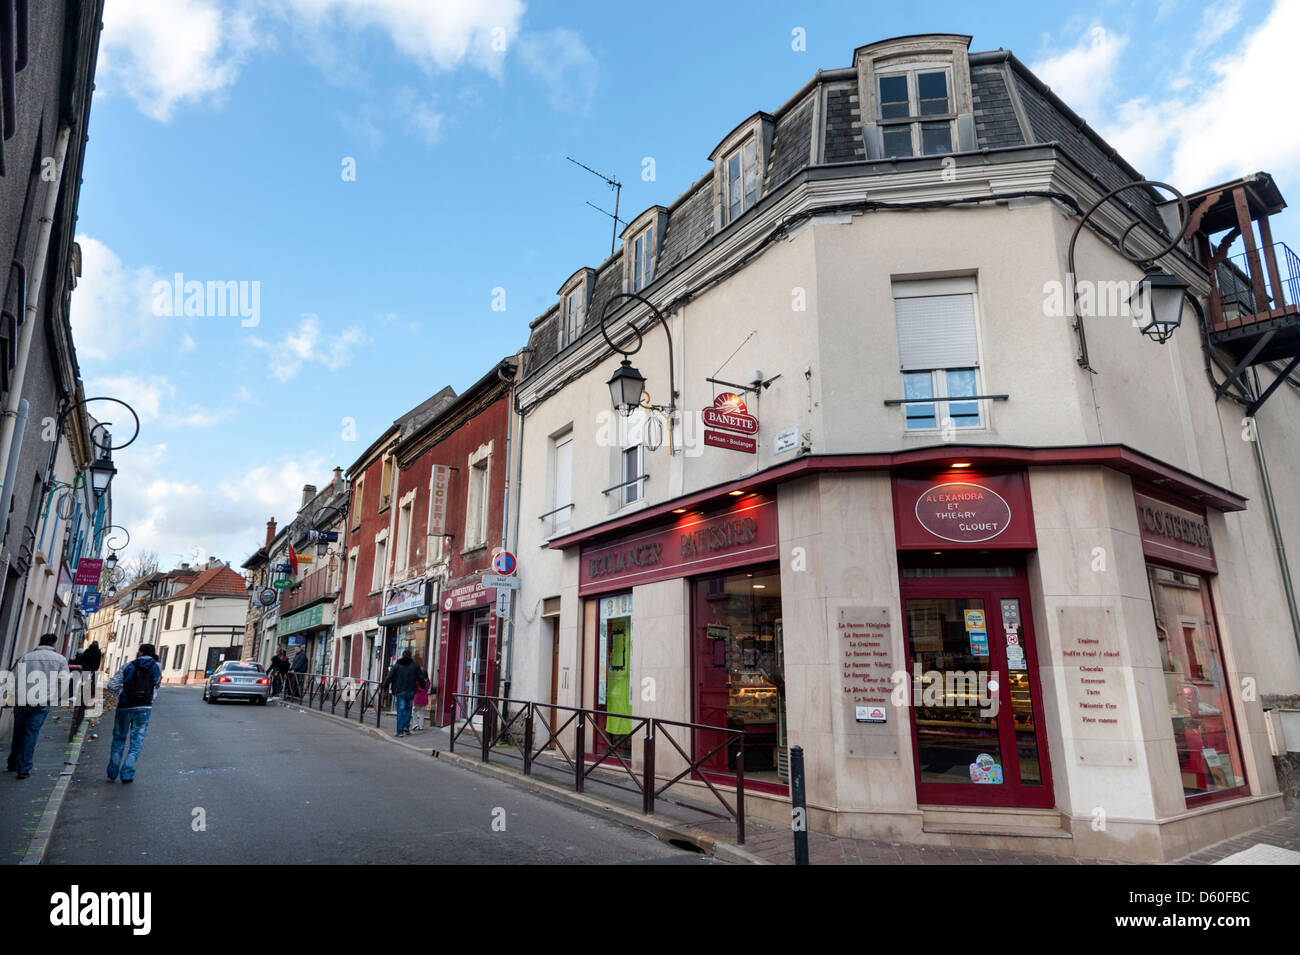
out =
column 496, row 580
column 786, row 440
column 90, row 600
column 504, row 563
column 283, row 583
column 325, row 537
column 267, row 596
column 503, row 602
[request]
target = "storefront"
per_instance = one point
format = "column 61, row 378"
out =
column 1180, row 565
column 975, row 704
column 405, row 621
column 309, row 630
column 732, row 675
column 467, row 646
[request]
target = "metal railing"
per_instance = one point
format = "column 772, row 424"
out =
column 505, row 724
column 324, row 689
column 1251, row 285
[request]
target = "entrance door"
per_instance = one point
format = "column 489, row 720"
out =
column 977, row 723
column 555, row 675
column 472, row 670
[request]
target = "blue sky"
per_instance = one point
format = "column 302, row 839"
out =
column 220, row 131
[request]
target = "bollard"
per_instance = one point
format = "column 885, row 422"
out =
column 579, row 757
column 528, row 742
column 799, row 806
column 648, row 778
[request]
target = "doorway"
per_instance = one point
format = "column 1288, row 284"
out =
column 472, row 662
column 976, row 708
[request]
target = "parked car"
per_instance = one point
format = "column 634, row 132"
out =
column 238, row 680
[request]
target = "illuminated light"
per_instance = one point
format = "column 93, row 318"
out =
column 961, row 464
column 679, row 510
column 759, row 586
column 735, row 493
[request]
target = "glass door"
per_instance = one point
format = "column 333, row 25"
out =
column 976, row 713
column 614, row 675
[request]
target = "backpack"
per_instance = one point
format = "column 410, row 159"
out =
column 138, row 687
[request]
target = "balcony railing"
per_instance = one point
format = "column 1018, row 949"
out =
column 1255, row 286
column 320, row 584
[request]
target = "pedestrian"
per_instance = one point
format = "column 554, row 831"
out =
column 279, row 667
column 420, row 702
column 92, row 658
column 137, row 685
column 44, row 663
column 404, row 679
column 299, row 671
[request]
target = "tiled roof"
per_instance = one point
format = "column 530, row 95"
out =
column 218, row 581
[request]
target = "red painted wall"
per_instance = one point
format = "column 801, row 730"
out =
column 372, row 522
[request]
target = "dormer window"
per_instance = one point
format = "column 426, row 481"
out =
column 915, row 112
column 643, row 263
column 741, row 172
column 574, row 296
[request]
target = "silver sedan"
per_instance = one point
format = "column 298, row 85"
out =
column 238, row 680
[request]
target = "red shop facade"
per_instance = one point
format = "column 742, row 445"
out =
column 467, row 647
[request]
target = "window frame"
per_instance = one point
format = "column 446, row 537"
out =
column 554, row 506
column 381, row 559
column 358, row 491
column 350, row 577
column 478, row 494
column 386, row 483
column 915, row 120
column 643, row 258
column 750, row 142
column 940, row 398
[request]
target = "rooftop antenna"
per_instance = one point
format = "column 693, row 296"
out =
column 618, row 192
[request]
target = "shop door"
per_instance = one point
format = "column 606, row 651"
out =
column 977, row 724
column 472, row 674
column 613, row 677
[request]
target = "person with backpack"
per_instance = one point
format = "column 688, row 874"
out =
column 136, row 685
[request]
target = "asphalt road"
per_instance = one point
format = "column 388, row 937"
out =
column 269, row 784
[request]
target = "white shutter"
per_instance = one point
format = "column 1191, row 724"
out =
column 563, row 482
column 936, row 331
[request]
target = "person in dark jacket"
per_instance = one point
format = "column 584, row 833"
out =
column 136, row 685
column 404, row 679
column 92, row 658
column 278, row 668
column 299, row 669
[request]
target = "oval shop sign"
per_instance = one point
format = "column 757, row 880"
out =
column 964, row 513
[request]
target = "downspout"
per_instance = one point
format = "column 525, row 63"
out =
column 11, row 471
column 509, row 622
column 36, row 278
column 1279, row 544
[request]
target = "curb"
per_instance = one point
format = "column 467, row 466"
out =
column 665, row 832
column 40, row 843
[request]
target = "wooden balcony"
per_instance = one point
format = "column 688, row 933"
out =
column 1255, row 307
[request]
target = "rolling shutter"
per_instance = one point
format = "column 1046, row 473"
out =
column 936, row 331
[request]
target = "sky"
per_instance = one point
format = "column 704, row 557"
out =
column 374, row 175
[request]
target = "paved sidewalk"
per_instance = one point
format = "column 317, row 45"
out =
column 767, row 844
column 24, row 823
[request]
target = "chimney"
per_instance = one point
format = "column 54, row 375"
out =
column 338, row 479
column 270, row 530
column 308, row 492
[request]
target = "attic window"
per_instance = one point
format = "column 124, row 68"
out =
column 915, row 112
column 740, row 176
column 572, row 317
column 643, row 261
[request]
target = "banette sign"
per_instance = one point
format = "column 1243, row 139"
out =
column 729, row 413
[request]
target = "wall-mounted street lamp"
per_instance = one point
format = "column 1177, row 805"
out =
column 627, row 385
column 1158, row 301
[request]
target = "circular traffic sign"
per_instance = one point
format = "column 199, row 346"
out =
column 266, row 596
column 504, row 563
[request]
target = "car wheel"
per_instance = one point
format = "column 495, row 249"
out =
column 206, row 698
column 260, row 700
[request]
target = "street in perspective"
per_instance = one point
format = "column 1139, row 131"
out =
column 905, row 472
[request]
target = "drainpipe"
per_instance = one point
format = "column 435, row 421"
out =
column 11, row 472
column 505, row 523
column 12, row 446
column 1279, row 545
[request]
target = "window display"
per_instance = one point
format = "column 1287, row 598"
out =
column 739, row 669
column 1205, row 735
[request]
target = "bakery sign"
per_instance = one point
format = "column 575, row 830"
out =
column 734, row 425
column 986, row 510
column 1174, row 534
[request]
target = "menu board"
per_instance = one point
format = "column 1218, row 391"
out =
column 1096, row 687
column 867, row 657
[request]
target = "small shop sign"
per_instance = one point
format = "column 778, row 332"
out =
column 734, row 425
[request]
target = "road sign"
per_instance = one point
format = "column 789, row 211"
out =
column 504, row 563
column 90, row 600
column 267, row 596
column 496, row 580
column 283, row 583
column 503, row 602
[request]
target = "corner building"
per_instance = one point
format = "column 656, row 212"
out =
column 1004, row 587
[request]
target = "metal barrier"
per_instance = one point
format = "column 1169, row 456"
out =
column 320, row 689
column 501, row 730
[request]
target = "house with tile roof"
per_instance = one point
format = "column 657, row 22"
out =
column 202, row 624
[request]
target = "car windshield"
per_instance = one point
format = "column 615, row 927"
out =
column 241, row 668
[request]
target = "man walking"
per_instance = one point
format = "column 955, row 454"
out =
column 36, row 676
column 404, row 679
column 137, row 685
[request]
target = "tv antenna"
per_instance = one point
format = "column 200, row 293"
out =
column 618, row 192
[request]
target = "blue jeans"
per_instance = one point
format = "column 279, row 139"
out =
column 133, row 722
column 27, row 730
column 403, row 702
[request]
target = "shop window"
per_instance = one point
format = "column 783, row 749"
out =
column 1196, row 685
column 938, row 354
column 614, row 672
column 739, row 654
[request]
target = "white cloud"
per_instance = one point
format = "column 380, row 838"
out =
column 565, row 66
column 1082, row 75
column 155, row 399
column 307, row 343
column 438, row 34
column 166, row 53
column 1201, row 133
column 112, row 306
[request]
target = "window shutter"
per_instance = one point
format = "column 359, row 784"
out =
column 936, row 331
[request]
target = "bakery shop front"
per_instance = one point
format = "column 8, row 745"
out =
column 716, row 570
column 976, row 706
